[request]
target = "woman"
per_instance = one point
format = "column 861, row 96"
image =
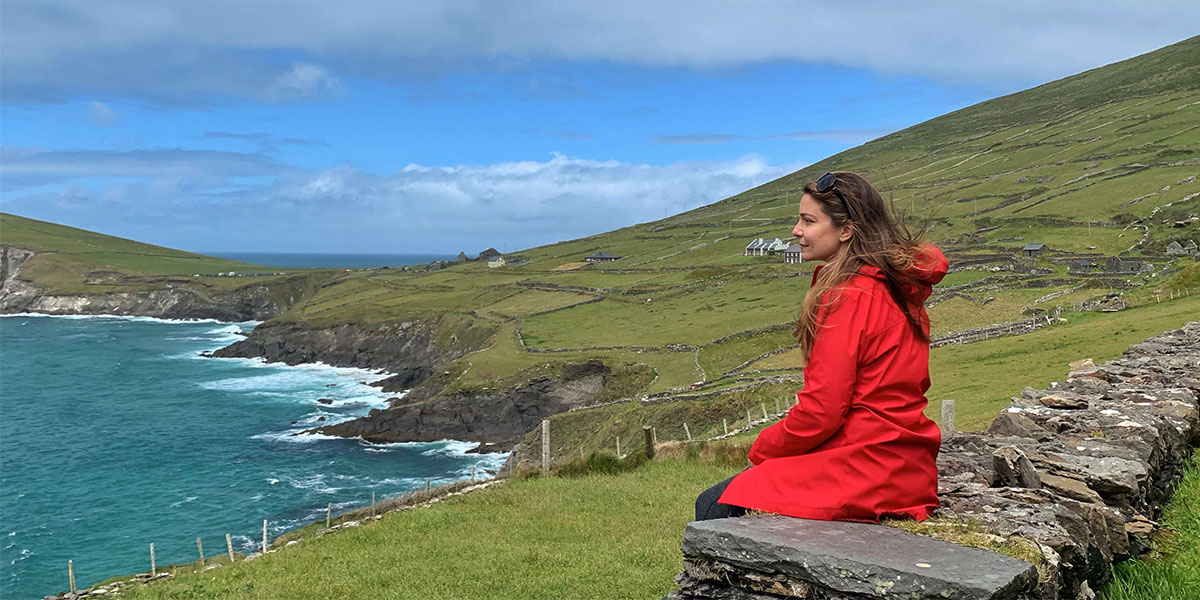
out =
column 857, row 445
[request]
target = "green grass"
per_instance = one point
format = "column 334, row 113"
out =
column 981, row 377
column 716, row 359
column 532, row 301
column 66, row 256
column 71, row 261
column 600, row 536
column 1172, row 570
column 712, row 310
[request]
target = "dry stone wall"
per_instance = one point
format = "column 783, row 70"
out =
column 1078, row 472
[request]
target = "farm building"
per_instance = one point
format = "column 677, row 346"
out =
column 1032, row 249
column 1115, row 265
column 792, row 254
column 601, row 257
column 1082, row 265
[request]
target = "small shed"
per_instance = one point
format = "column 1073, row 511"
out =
column 496, row 262
column 1081, row 265
column 601, row 257
column 1118, row 266
column 462, row 257
column 1032, row 249
column 792, row 254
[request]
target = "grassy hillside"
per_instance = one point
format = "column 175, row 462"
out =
column 76, row 261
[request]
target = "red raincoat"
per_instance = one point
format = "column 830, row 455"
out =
column 857, row 446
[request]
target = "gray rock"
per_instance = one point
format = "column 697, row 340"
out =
column 1070, row 488
column 1009, row 424
column 1014, row 469
column 857, row 558
column 1067, row 401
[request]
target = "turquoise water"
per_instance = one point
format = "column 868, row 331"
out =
column 115, row 433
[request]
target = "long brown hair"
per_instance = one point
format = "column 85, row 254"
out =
column 878, row 240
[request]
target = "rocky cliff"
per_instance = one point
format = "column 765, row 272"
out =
column 411, row 350
column 253, row 302
column 415, row 351
column 498, row 418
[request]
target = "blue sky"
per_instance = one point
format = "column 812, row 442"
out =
column 435, row 127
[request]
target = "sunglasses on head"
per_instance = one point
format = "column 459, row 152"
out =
column 828, row 182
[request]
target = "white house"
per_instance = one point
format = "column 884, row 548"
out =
column 496, row 262
column 763, row 247
column 792, row 254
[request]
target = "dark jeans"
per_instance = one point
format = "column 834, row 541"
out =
column 707, row 506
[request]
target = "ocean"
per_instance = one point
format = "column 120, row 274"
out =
column 115, row 433
column 299, row 260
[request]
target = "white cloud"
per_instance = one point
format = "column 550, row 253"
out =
column 101, row 114
column 180, row 50
column 215, row 200
column 304, row 81
column 22, row 168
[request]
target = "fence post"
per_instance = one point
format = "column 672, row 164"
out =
column 372, row 505
column 229, row 547
column 777, row 411
column 328, row 515
column 545, row 447
column 764, row 409
column 71, row 574
column 426, row 484
column 264, row 546
column 749, row 419
column 687, row 431
column 947, row 418
column 200, row 548
column 725, row 423
column 648, row 434
column 153, row 570
column 618, row 446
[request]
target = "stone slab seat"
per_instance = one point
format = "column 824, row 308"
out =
column 859, row 559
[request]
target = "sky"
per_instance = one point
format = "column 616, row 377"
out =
column 445, row 126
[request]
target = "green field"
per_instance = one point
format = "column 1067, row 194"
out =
column 601, row 536
column 76, row 261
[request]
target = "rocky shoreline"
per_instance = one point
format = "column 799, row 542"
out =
column 409, row 351
column 498, row 419
column 412, row 353
column 174, row 300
